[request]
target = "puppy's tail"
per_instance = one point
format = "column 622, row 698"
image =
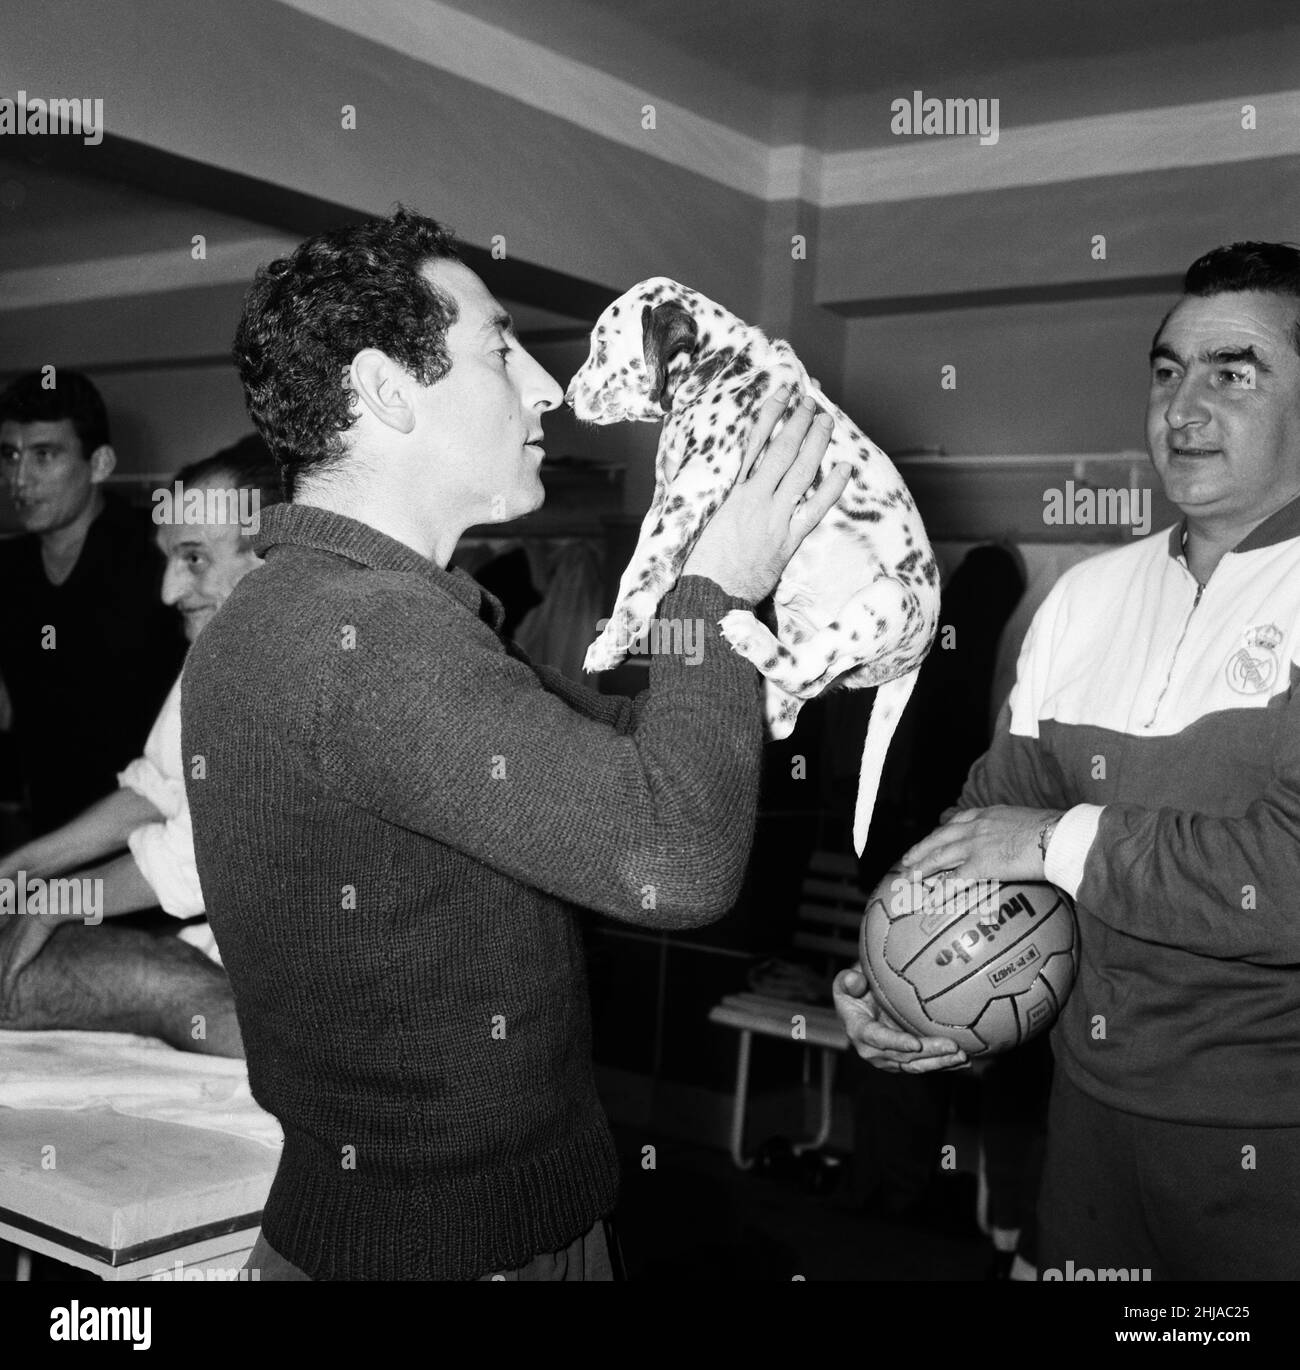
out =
column 887, row 708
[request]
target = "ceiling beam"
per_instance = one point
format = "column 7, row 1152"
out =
column 300, row 215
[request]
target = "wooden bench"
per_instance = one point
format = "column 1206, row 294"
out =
column 829, row 915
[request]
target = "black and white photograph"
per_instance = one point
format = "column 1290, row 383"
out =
column 650, row 642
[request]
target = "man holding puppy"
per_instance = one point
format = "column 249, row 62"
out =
column 416, row 807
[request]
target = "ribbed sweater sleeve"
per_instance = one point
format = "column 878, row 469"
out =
column 615, row 711
column 431, row 724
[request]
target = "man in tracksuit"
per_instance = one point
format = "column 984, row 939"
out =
column 1148, row 763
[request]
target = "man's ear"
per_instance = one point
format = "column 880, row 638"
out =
column 667, row 330
column 383, row 387
column 103, row 462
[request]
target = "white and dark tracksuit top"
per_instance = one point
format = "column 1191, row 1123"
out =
column 1164, row 716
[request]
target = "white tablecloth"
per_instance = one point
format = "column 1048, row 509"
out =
column 133, row 1075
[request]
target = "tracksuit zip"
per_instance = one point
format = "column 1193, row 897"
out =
column 1173, row 661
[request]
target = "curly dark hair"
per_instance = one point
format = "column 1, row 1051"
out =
column 307, row 315
column 26, row 399
column 1273, row 268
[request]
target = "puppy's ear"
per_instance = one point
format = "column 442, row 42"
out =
column 667, row 330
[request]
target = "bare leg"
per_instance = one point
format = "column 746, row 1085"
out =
column 109, row 979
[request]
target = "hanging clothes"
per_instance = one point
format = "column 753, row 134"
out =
column 558, row 631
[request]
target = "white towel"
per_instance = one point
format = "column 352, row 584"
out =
column 137, row 1075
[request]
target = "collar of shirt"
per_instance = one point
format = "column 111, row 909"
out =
column 1278, row 527
column 304, row 525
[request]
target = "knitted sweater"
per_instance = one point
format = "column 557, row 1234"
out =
column 1164, row 716
column 394, row 815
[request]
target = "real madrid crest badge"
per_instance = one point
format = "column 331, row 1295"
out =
column 1252, row 669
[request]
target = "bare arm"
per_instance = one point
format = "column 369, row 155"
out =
column 124, row 890
column 95, row 832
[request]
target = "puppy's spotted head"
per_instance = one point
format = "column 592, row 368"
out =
column 641, row 347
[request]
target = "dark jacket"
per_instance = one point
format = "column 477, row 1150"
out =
column 87, row 663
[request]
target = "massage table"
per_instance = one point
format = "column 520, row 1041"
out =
column 124, row 1157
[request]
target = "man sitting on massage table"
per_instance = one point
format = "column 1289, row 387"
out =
column 58, row 970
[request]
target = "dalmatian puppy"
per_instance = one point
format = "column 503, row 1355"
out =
column 858, row 603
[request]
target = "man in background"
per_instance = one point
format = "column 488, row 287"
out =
column 87, row 650
column 54, row 971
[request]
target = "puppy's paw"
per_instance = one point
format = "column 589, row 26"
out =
column 601, row 656
column 615, row 640
column 748, row 637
